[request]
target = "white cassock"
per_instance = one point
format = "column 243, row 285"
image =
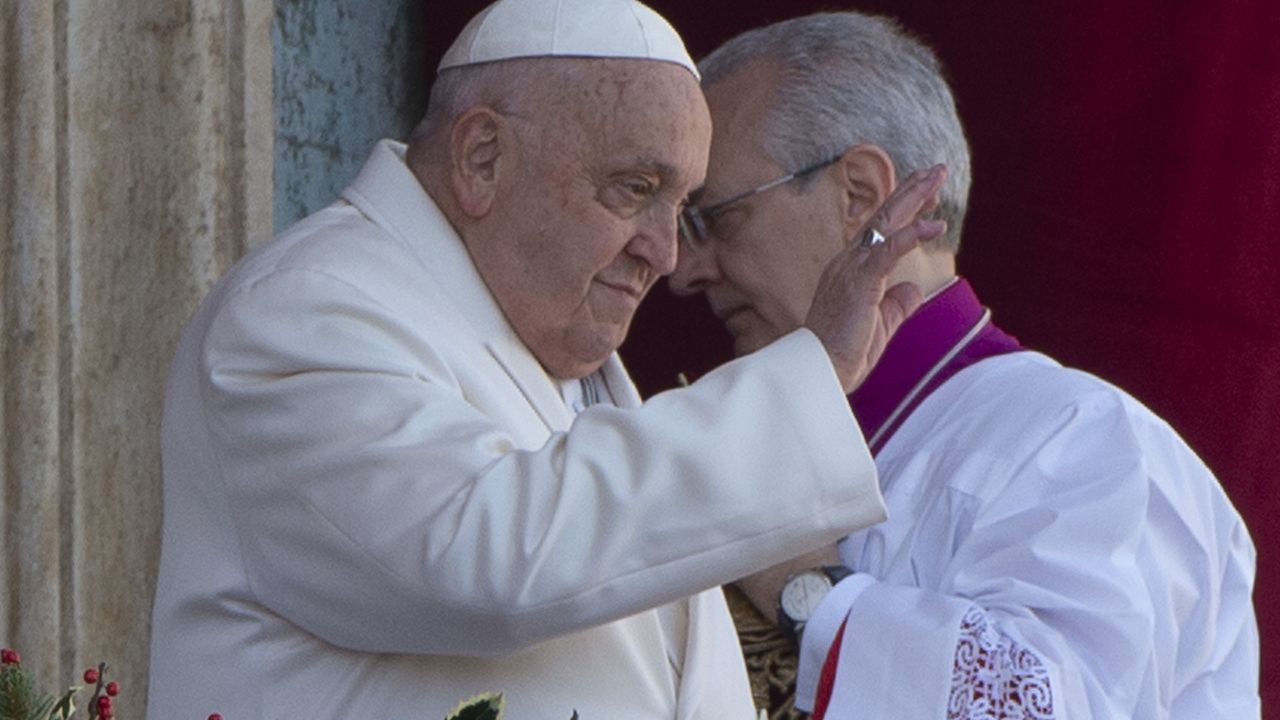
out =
column 378, row 504
column 1054, row 550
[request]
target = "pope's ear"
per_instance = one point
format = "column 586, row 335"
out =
column 868, row 178
column 476, row 144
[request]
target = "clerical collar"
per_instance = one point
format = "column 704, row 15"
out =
column 581, row 393
column 950, row 332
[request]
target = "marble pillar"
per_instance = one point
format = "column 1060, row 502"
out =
column 136, row 159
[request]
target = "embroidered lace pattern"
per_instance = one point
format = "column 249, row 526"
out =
column 995, row 678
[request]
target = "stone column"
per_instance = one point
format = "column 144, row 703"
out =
column 136, row 161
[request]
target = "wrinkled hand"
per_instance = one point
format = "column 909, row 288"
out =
column 853, row 313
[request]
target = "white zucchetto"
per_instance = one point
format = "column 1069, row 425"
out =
column 510, row 29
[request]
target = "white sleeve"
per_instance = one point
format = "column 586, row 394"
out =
column 820, row 632
column 379, row 509
column 1072, row 590
column 896, row 652
column 993, row 675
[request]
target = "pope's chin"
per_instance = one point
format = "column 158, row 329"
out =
column 583, row 349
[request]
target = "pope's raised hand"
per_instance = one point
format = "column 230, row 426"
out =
column 854, row 312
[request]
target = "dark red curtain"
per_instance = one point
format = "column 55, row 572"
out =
column 1123, row 218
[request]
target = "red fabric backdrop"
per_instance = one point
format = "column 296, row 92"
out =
column 1123, row 216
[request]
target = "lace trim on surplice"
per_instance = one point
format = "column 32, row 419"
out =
column 995, row 678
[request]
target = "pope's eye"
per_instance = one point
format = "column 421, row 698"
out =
column 638, row 188
column 627, row 195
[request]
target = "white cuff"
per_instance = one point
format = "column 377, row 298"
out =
column 820, row 632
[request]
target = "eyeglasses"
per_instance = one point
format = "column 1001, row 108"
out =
column 693, row 219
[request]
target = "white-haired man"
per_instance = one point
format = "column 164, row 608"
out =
column 1053, row 549
column 402, row 463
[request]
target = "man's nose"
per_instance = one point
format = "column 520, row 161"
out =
column 695, row 270
column 655, row 243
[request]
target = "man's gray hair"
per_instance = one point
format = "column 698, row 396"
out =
column 505, row 86
column 848, row 78
column 530, row 88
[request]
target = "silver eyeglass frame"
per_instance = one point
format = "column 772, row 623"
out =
column 693, row 219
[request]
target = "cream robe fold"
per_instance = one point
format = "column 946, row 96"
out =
column 377, row 504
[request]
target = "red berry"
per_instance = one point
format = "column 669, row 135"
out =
column 215, row 716
column 90, row 676
column 9, row 657
column 104, row 703
column 113, row 688
column 106, row 713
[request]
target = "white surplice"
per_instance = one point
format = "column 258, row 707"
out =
column 378, row 504
column 1054, row 550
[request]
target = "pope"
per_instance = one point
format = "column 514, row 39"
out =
column 403, row 464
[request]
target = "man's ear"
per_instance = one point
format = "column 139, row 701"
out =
column 476, row 145
column 867, row 177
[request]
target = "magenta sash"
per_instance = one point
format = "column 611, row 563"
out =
column 947, row 334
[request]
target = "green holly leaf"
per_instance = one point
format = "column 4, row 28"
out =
column 66, row 706
column 486, row 706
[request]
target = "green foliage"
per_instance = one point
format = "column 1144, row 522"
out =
column 19, row 697
column 481, row 707
column 486, row 706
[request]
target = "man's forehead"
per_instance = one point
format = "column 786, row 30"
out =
column 733, row 164
column 645, row 103
column 739, row 106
